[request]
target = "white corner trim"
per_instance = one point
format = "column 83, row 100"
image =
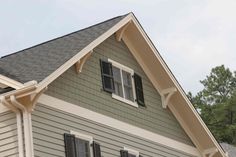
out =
column 111, row 122
column 82, row 136
column 132, row 151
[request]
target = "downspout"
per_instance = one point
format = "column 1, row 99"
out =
column 19, row 125
column 27, row 126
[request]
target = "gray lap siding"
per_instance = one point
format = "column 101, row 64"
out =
column 49, row 125
column 8, row 134
column 85, row 89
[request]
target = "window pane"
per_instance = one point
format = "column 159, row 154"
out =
column 117, row 81
column 127, row 85
column 128, row 93
column 82, row 148
column 118, row 89
column 126, row 78
column 116, row 74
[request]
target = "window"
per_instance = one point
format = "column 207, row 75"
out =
column 122, row 82
column 79, row 145
column 127, row 152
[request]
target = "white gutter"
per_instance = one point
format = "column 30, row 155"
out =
column 23, row 114
column 27, row 126
column 19, row 125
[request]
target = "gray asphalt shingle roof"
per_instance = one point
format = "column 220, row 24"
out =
column 38, row 62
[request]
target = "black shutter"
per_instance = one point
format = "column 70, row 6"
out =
column 124, row 153
column 107, row 76
column 69, row 145
column 139, row 89
column 96, row 149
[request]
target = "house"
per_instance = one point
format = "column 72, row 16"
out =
column 101, row 91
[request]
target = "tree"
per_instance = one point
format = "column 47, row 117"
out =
column 216, row 103
column 219, row 85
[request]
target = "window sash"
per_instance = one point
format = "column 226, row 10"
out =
column 82, row 148
column 131, row 99
column 121, row 85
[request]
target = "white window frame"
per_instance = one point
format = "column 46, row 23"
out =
column 131, row 71
column 132, row 151
column 84, row 137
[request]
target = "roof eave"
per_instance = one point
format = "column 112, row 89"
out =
column 167, row 80
column 8, row 82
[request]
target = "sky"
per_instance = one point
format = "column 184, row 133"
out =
column 192, row 36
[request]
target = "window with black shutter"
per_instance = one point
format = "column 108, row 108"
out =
column 81, row 146
column 96, row 149
column 139, row 89
column 124, row 153
column 122, row 82
column 107, row 76
column 70, row 149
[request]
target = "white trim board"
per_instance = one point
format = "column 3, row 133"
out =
column 10, row 82
column 111, row 122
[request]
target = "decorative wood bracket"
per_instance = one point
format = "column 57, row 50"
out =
column 166, row 95
column 121, row 31
column 34, row 99
column 210, row 152
column 79, row 65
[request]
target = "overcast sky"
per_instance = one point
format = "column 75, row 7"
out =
column 192, row 35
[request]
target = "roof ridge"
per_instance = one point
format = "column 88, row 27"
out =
column 5, row 56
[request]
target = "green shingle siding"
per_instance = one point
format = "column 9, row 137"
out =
column 49, row 125
column 8, row 134
column 85, row 89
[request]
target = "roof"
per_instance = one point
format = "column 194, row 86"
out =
column 47, row 61
column 231, row 150
column 38, row 62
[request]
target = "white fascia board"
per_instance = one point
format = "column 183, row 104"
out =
column 10, row 82
column 122, row 126
column 173, row 79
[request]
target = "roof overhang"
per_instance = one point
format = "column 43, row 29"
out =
column 8, row 82
column 133, row 35
column 160, row 75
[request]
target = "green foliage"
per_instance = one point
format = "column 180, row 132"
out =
column 216, row 103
